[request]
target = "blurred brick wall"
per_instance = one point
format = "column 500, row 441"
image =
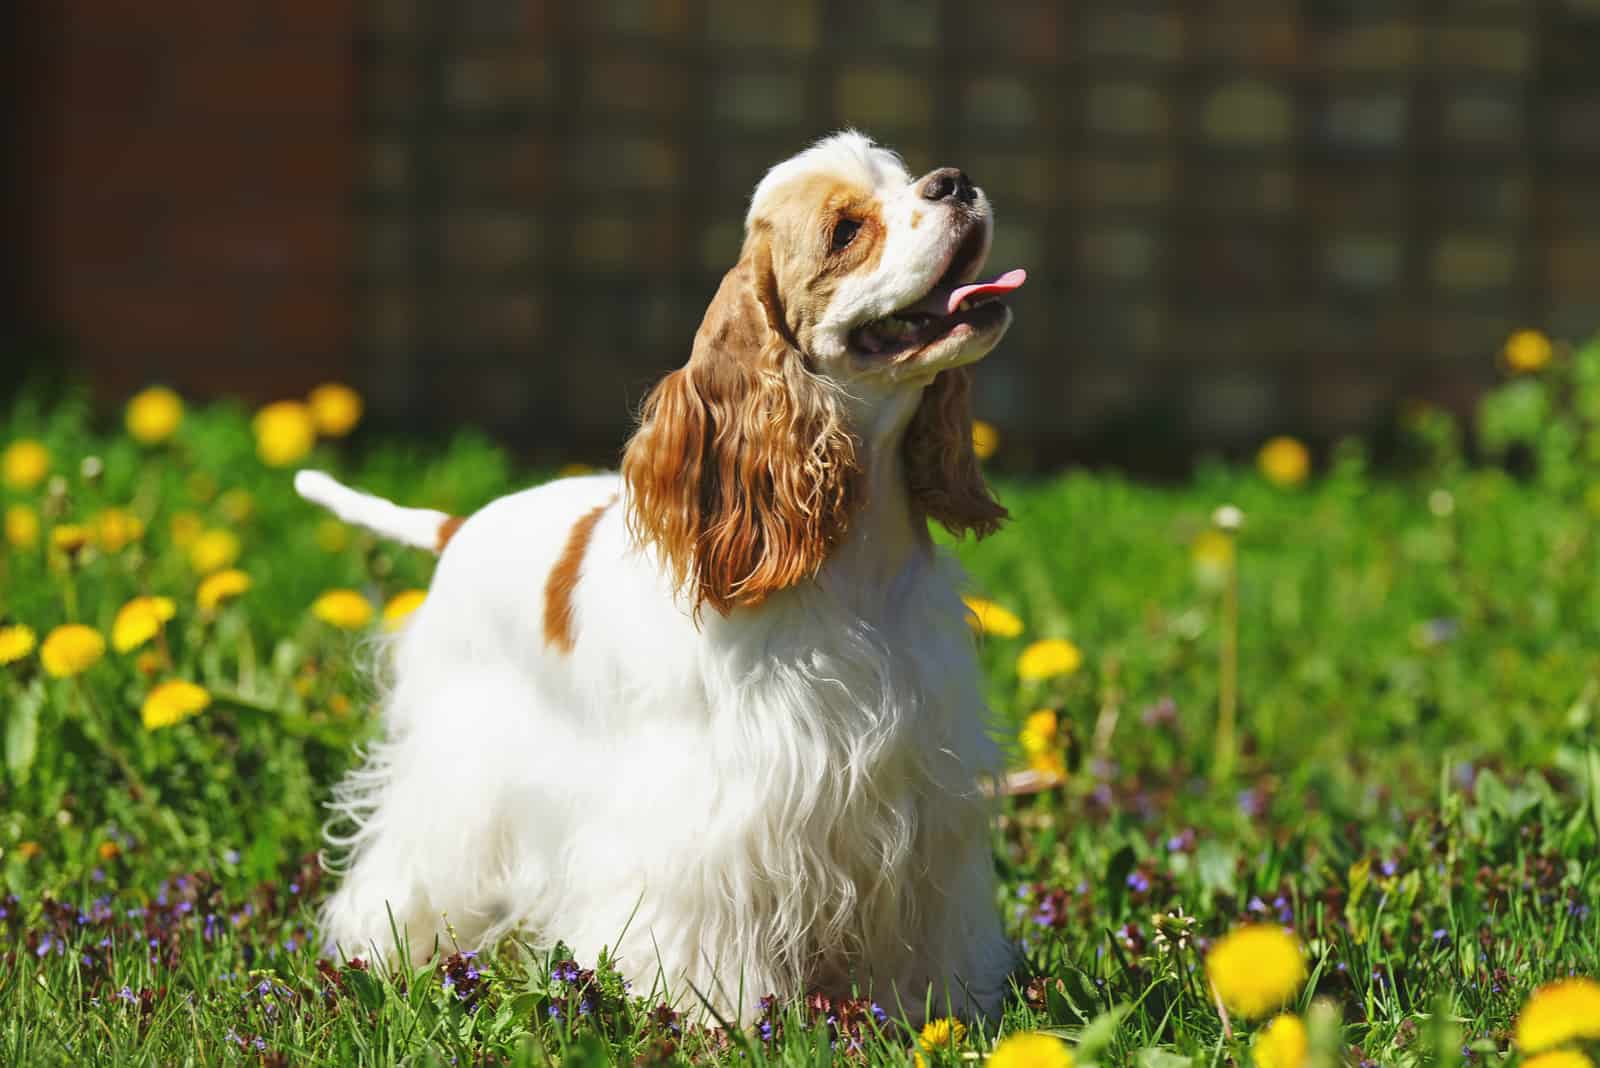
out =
column 195, row 226
column 1238, row 217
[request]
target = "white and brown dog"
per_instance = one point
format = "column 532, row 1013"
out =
column 720, row 712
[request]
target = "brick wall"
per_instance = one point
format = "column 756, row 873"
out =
column 1238, row 217
column 195, row 226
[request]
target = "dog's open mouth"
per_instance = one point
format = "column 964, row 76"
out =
column 951, row 302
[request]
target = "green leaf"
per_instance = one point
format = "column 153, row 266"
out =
column 1152, row 1057
column 587, row 1052
column 525, row 1004
column 1594, row 788
column 1100, row 1031
column 22, row 732
column 1492, row 792
column 368, row 990
column 1217, row 865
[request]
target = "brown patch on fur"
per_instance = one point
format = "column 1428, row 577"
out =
column 743, row 473
column 798, row 219
column 942, row 471
column 802, row 214
column 916, row 219
column 563, row 580
column 447, row 530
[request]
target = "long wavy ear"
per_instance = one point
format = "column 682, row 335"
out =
column 742, row 473
column 942, row 473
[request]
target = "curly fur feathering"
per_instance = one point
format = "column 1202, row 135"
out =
column 942, row 473
column 743, row 472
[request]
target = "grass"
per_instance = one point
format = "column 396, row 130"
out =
column 1414, row 788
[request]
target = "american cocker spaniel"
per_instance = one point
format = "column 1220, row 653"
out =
column 720, row 712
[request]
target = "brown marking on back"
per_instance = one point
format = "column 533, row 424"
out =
column 447, row 530
column 563, row 580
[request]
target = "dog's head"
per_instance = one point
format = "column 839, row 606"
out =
column 848, row 323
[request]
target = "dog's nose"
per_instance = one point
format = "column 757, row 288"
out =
column 948, row 182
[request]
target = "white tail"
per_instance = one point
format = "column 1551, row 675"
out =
column 420, row 527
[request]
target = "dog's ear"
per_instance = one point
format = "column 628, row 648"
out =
column 942, row 472
column 743, row 473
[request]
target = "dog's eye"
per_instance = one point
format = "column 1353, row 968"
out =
column 844, row 232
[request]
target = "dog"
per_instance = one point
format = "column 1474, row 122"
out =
column 719, row 713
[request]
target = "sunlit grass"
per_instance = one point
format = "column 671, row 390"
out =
column 1411, row 786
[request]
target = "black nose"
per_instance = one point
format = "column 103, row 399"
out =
column 948, row 182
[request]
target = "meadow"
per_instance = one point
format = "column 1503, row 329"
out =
column 1307, row 755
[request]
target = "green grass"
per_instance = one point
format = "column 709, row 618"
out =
column 1416, row 787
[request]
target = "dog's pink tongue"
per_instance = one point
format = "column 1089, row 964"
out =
column 1007, row 283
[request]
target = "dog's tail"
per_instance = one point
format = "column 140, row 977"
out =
column 424, row 528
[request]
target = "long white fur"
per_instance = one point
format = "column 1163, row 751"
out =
column 780, row 798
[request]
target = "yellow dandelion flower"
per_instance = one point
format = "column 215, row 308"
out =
column 25, row 463
column 71, row 649
column 985, row 439
column 335, row 408
column 108, row 850
column 214, row 550
column 332, row 535
column 237, row 505
column 116, row 528
column 400, row 607
column 172, row 702
column 1256, row 969
column 68, row 538
column 1039, row 732
column 345, row 609
column 1040, row 742
column 987, row 617
column 1283, row 1043
column 140, row 620
column 285, row 432
column 16, row 642
column 942, row 1033
column 22, row 527
column 1031, row 1050
column 1047, row 659
column 1559, row 1058
column 1558, row 1013
column 1284, row 462
column 1527, row 351
column 28, row 850
column 220, row 586
column 153, row 415
column 185, row 529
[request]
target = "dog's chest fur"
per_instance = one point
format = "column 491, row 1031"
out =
column 855, row 730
